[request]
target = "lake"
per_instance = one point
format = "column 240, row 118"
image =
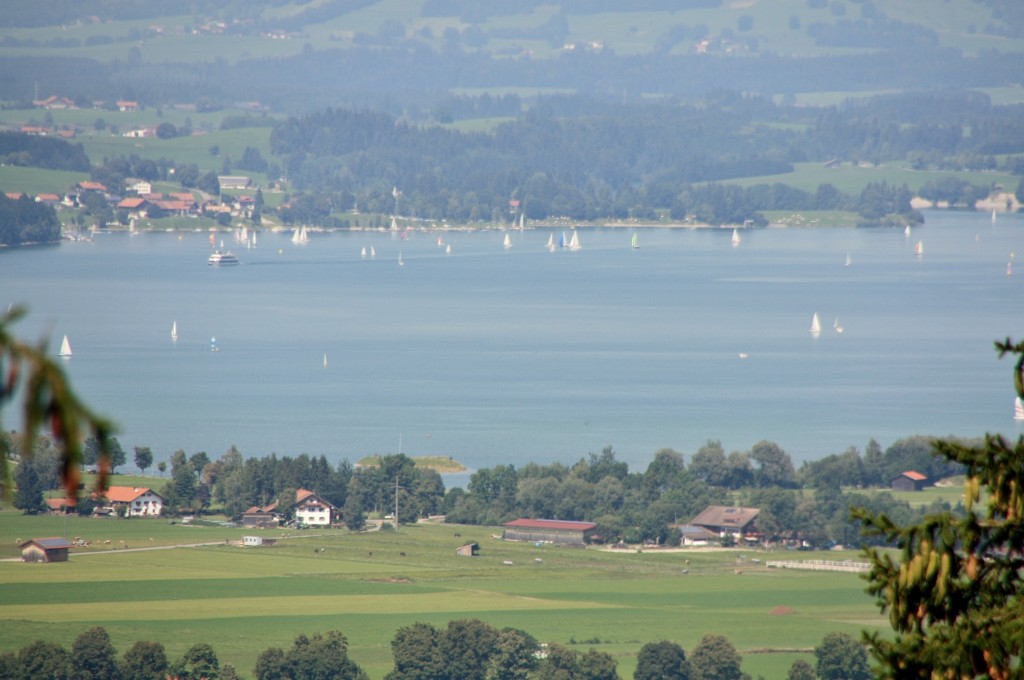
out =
column 498, row 355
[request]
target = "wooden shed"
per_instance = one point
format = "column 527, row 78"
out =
column 468, row 550
column 909, row 481
column 45, row 550
column 548, row 531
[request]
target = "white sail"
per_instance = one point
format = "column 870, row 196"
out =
column 551, row 242
column 394, row 223
column 849, row 261
column 919, row 248
column 174, row 331
column 1018, row 408
column 634, row 242
column 574, row 242
column 836, row 326
column 448, row 249
column 735, row 237
column 906, row 231
column 362, row 253
column 993, row 215
column 65, row 348
column 508, row 241
column 373, row 252
column 815, row 324
column 401, row 262
column 522, row 221
column 325, row 359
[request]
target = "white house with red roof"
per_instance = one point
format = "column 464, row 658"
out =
column 563, row 532
column 312, row 509
column 138, row 501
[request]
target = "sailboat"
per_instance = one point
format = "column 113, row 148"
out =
column 373, row 252
column 815, row 325
column 394, row 223
column 993, row 215
column 735, row 237
column 849, row 261
column 634, row 241
column 522, row 221
column 551, row 243
column 1009, row 268
column 836, row 326
column 1018, row 408
column 448, row 249
column 401, row 262
column 325, row 359
column 574, row 242
column 561, row 241
column 213, row 345
column 919, row 248
column 362, row 253
column 65, row 348
column 906, row 231
column 507, row 243
column 174, row 331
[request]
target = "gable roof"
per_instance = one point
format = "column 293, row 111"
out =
column 725, row 516
column 303, row 495
column 914, row 475
column 47, row 543
column 127, row 494
column 564, row 525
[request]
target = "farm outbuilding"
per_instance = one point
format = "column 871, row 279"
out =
column 909, row 481
column 723, row 520
column 468, row 550
column 45, row 550
column 557, row 531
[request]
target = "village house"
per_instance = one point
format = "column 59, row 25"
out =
column 137, row 501
column 126, row 106
column 311, row 509
column 45, row 550
column 561, row 532
column 233, row 182
column 728, row 522
column 909, row 480
column 55, row 103
column 61, row 505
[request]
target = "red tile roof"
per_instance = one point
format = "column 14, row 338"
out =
column 916, row 476
column 131, row 202
column 126, row 494
column 564, row 525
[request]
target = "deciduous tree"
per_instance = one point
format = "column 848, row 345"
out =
column 144, row 660
column 663, row 660
column 715, row 658
column 841, row 657
column 94, row 657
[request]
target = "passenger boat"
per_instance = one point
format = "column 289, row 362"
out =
column 220, row 259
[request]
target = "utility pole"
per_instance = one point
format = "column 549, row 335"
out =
column 396, row 503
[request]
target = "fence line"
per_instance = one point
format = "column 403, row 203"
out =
column 820, row 565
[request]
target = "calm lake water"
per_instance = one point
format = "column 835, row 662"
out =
column 495, row 355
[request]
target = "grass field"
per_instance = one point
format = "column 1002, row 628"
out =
column 243, row 600
column 851, row 179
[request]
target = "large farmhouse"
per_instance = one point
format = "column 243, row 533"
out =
column 725, row 521
column 138, row 501
column 311, row 509
column 548, row 531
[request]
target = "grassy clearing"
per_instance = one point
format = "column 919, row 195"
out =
column 243, row 600
column 37, row 180
column 852, row 179
column 438, row 463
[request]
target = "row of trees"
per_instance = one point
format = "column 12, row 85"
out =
column 466, row 649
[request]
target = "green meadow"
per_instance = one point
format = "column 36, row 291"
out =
column 243, row 600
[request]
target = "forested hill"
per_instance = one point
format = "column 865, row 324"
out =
column 589, row 158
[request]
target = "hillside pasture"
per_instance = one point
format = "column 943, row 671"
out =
column 243, row 600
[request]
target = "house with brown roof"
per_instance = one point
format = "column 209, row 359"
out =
column 562, row 532
column 312, row 509
column 61, row 505
column 261, row 517
column 48, row 199
column 55, row 103
column 727, row 521
column 137, row 501
column 910, row 480
column 125, row 105
column 45, row 550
